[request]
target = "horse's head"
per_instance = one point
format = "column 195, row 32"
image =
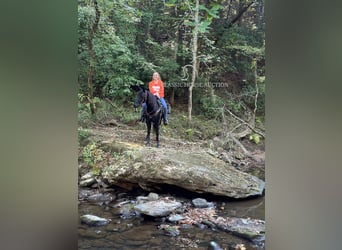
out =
column 141, row 97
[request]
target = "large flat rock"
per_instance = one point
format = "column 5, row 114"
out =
column 195, row 170
column 157, row 208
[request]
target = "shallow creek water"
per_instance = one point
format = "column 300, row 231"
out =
column 143, row 232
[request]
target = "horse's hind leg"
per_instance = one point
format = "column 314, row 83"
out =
column 148, row 125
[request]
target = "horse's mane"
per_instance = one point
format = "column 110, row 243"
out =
column 151, row 101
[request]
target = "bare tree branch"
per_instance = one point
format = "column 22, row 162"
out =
column 245, row 123
column 239, row 15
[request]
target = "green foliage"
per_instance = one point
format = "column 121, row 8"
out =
column 235, row 105
column 128, row 117
column 82, row 135
column 190, row 133
column 255, row 138
column 248, row 94
column 98, row 158
column 260, row 122
column 136, row 38
column 211, row 107
column 261, row 98
column 93, row 156
column 116, row 59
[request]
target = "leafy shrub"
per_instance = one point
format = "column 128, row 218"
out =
column 211, row 108
column 255, row 138
column 92, row 154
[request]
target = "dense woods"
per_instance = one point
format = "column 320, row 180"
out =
column 210, row 55
column 211, row 58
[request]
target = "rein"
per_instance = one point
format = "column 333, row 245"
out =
column 153, row 113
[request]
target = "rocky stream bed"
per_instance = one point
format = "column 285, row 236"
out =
column 194, row 169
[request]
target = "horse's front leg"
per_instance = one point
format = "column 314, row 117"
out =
column 156, row 130
column 148, row 125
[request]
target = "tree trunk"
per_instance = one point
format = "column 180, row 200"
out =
column 255, row 78
column 179, row 55
column 241, row 11
column 175, row 58
column 261, row 11
column 172, row 96
column 194, row 62
column 90, row 77
column 229, row 9
column 92, row 58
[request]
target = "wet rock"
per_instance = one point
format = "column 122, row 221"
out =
column 93, row 220
column 87, row 180
column 175, row 218
column 152, row 197
column 121, row 203
column 142, row 199
column 209, row 224
column 201, row 203
column 101, row 198
column 214, row 246
column 170, row 230
column 200, row 225
column 251, row 229
column 186, row 226
column 84, row 193
column 127, row 211
column 88, row 175
column 157, row 208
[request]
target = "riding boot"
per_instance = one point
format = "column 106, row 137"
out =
column 166, row 122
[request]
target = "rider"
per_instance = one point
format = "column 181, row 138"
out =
column 156, row 87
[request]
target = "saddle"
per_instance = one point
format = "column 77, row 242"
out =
column 160, row 109
column 146, row 114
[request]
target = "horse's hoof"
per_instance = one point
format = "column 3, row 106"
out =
column 158, row 145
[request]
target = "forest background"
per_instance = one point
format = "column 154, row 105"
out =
column 210, row 55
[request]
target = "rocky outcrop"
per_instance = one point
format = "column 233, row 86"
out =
column 195, row 170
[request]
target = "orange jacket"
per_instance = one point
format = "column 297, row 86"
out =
column 157, row 87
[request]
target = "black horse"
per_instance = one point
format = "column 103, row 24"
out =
column 154, row 112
